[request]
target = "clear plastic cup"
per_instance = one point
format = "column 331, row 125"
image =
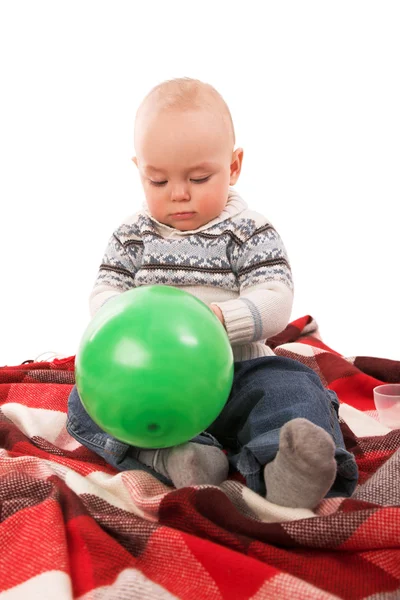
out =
column 387, row 402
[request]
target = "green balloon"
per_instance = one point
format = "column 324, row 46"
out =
column 154, row 367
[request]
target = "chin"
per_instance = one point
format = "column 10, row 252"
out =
column 185, row 226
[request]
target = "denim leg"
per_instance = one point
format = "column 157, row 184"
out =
column 120, row 455
column 268, row 392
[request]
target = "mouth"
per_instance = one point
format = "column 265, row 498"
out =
column 183, row 215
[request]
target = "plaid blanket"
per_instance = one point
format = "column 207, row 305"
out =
column 73, row 527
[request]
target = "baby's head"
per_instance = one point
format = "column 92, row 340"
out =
column 184, row 145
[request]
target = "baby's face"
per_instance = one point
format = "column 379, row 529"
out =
column 186, row 164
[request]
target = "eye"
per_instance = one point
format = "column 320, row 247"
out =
column 158, row 183
column 201, row 180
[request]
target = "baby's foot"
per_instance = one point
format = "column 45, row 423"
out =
column 188, row 464
column 196, row 464
column 304, row 468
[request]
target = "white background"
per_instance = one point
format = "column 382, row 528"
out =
column 314, row 92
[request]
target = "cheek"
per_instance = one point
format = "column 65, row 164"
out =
column 206, row 197
column 215, row 193
column 211, row 203
column 154, row 201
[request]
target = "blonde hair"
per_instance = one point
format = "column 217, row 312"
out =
column 185, row 93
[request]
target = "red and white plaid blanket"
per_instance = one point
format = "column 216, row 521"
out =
column 73, row 527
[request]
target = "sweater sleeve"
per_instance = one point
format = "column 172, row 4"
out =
column 265, row 302
column 117, row 271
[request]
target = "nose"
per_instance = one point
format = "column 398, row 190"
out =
column 180, row 193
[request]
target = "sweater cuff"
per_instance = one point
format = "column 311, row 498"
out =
column 97, row 300
column 239, row 322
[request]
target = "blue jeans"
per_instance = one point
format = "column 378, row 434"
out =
column 267, row 392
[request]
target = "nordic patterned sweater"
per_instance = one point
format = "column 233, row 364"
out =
column 236, row 261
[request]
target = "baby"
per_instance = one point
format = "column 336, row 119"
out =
column 280, row 426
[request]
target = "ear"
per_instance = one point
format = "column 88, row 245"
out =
column 236, row 165
column 134, row 159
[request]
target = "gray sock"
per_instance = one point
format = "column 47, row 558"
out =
column 188, row 464
column 304, row 469
column 155, row 459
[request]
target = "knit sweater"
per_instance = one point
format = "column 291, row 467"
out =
column 237, row 261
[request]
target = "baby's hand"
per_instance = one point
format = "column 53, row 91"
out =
column 217, row 311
